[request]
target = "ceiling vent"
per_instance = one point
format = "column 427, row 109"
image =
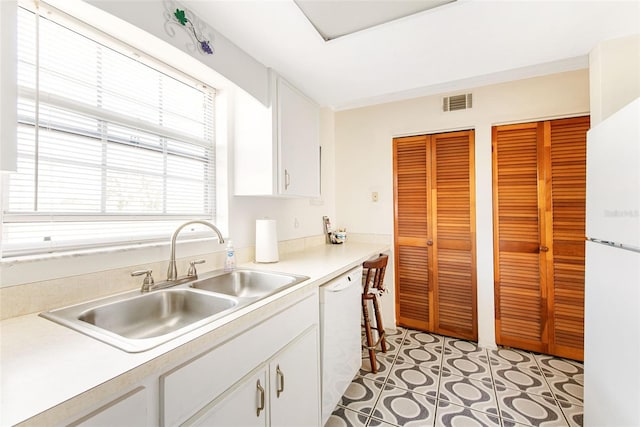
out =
column 457, row 102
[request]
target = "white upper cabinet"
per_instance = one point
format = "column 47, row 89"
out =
column 298, row 143
column 277, row 148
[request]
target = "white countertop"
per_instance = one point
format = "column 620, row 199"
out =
column 45, row 366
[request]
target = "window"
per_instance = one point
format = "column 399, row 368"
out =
column 111, row 149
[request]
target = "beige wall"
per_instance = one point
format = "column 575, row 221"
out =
column 614, row 71
column 363, row 147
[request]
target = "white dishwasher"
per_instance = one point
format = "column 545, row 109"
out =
column 340, row 306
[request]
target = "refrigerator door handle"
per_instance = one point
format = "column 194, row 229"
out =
column 614, row 244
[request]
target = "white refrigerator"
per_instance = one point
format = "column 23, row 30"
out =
column 612, row 276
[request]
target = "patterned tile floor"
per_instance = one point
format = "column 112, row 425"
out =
column 431, row 380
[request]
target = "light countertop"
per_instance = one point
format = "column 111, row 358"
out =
column 49, row 371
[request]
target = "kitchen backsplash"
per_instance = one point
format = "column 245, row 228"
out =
column 48, row 294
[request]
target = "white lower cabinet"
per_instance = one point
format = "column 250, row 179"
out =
column 295, row 383
column 267, row 373
column 275, row 362
column 282, row 392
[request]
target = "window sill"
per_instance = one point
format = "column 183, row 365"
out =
column 36, row 268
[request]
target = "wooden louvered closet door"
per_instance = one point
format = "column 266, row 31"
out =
column 413, row 257
column 520, row 293
column 567, row 161
column 435, row 233
column 453, row 207
column 539, row 205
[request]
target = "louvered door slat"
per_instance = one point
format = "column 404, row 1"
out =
column 413, row 305
column 520, row 319
column 454, row 234
column 567, row 187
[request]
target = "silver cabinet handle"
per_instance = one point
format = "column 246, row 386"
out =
column 287, row 179
column 261, row 406
column 280, row 386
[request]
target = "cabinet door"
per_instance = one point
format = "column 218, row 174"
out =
column 298, row 143
column 246, row 404
column 295, row 383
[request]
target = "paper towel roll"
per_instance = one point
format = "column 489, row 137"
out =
column 266, row 241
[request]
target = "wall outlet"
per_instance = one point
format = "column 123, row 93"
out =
column 374, row 196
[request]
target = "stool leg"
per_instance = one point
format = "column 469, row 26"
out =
column 369, row 336
column 379, row 325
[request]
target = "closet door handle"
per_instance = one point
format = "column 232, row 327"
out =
column 429, row 242
column 261, row 406
column 544, row 249
column 280, row 386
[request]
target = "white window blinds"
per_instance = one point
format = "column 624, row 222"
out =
column 111, row 150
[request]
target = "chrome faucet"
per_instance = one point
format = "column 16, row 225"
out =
column 172, row 272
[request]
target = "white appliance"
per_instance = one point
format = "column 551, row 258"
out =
column 612, row 276
column 340, row 306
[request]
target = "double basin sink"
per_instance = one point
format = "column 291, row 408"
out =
column 135, row 321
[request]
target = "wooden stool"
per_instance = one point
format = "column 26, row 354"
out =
column 373, row 285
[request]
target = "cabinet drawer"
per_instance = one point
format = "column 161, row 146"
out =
column 191, row 386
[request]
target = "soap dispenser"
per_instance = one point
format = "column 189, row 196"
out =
column 230, row 259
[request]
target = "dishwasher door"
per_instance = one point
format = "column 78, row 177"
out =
column 340, row 306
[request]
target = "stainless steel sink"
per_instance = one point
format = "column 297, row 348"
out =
column 135, row 321
column 248, row 283
column 156, row 314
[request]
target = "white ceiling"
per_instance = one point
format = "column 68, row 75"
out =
column 447, row 49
